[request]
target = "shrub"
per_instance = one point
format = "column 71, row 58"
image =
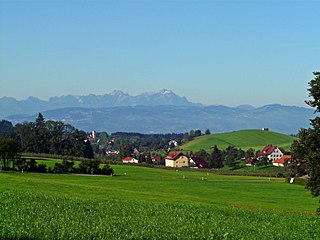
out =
column 297, row 180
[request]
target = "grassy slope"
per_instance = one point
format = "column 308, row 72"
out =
column 243, row 139
column 146, row 203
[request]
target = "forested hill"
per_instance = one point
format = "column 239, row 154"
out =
column 179, row 119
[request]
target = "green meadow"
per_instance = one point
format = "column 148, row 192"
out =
column 243, row 139
column 148, row 203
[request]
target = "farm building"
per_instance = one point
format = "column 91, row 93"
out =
column 199, row 162
column 176, row 159
column 272, row 152
column 281, row 162
column 129, row 160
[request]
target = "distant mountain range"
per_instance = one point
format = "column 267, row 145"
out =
column 10, row 106
column 156, row 112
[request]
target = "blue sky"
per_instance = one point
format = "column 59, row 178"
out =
column 212, row 52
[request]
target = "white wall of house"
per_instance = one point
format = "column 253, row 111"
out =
column 278, row 164
column 170, row 163
column 181, row 161
column 132, row 160
column 276, row 154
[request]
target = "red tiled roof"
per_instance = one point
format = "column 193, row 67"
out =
column 127, row 158
column 283, row 159
column 173, row 155
column 267, row 150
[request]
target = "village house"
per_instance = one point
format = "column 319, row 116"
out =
column 198, row 162
column 129, row 160
column 281, row 162
column 176, row 159
column 272, row 152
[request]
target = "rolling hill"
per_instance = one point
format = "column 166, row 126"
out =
column 243, row 139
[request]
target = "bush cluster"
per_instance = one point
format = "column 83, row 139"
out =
column 297, row 180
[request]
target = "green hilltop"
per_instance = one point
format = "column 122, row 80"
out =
column 243, row 139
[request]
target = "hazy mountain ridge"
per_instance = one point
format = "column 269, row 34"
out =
column 159, row 112
column 177, row 119
column 11, row 106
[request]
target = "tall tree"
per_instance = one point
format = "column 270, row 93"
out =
column 88, row 151
column 25, row 137
column 8, row 151
column 216, row 158
column 56, row 132
column 231, row 156
column 125, row 151
column 249, row 153
column 41, row 134
column 5, row 128
column 308, row 145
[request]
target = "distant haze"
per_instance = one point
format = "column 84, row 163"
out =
column 160, row 111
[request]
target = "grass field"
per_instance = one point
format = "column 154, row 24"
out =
column 147, row 203
column 243, row 139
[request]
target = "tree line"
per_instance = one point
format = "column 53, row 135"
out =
column 49, row 137
column 231, row 156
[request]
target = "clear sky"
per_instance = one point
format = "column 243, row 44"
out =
column 212, row 52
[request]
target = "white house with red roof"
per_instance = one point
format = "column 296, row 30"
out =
column 272, row 152
column 176, row 159
column 130, row 160
column 281, row 162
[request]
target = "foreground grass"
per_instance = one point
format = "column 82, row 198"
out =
column 144, row 203
column 43, row 217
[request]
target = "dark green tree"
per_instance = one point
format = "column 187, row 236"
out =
column 197, row 133
column 65, row 167
column 308, row 145
column 125, row 151
column 231, row 156
column 88, row 151
column 25, row 137
column 78, row 144
column 8, row 151
column 148, row 158
column 264, row 161
column 216, row 158
column 57, row 140
column 41, row 135
column 89, row 166
column 6, row 128
column 207, row 132
column 202, row 153
column 249, row 153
